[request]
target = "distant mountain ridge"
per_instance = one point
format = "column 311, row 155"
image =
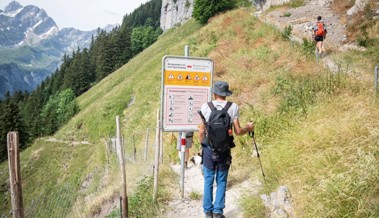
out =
column 25, row 25
column 32, row 41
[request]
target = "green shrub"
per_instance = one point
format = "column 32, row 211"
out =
column 287, row 32
column 287, row 14
column 203, row 10
column 308, row 48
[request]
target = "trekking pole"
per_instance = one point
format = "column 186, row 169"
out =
column 202, row 117
column 251, row 134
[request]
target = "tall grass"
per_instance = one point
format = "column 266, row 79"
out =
column 305, row 118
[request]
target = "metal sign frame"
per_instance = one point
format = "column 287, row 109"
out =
column 186, row 85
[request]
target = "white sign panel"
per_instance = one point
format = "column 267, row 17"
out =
column 186, row 84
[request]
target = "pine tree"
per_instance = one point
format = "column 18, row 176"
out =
column 11, row 120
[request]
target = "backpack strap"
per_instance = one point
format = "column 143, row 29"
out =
column 227, row 106
column 211, row 106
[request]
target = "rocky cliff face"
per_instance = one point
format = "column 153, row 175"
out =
column 175, row 12
column 358, row 6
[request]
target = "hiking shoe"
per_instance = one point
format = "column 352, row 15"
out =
column 208, row 215
column 218, row 215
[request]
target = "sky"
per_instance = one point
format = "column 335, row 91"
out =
column 83, row 14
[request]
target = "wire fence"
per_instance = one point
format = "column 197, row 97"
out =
column 97, row 193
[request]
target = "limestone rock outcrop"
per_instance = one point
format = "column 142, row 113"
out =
column 175, row 12
column 358, row 6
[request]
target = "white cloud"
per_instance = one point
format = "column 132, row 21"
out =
column 83, row 14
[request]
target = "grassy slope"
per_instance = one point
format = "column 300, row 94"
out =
column 318, row 131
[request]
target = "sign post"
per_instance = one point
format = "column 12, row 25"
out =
column 186, row 85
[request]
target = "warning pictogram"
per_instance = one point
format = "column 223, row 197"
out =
column 171, row 76
column 205, row 78
column 197, row 77
column 180, row 77
column 188, row 77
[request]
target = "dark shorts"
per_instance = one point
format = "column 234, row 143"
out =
column 220, row 161
column 319, row 38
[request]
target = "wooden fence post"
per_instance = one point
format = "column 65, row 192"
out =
column 146, row 144
column 376, row 80
column 134, row 149
column 156, row 165
column 15, row 175
column 120, row 148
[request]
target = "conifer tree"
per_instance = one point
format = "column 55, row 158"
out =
column 11, row 120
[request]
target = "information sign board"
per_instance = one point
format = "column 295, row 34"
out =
column 186, row 85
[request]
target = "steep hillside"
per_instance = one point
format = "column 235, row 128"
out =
column 317, row 131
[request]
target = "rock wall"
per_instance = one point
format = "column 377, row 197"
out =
column 358, row 6
column 175, row 12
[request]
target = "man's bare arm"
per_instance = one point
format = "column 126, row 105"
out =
column 241, row 131
column 201, row 132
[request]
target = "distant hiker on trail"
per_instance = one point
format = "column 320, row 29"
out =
column 189, row 141
column 319, row 31
column 216, row 136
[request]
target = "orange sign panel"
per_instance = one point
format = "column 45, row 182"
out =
column 185, row 78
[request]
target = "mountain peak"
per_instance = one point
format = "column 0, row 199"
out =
column 27, row 25
column 12, row 6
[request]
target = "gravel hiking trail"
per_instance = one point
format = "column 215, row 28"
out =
column 303, row 18
column 193, row 183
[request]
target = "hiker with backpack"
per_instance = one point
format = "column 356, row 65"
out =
column 319, row 31
column 219, row 118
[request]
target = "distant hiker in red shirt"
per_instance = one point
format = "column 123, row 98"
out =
column 319, row 33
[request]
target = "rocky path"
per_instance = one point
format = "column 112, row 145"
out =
column 303, row 18
column 189, row 208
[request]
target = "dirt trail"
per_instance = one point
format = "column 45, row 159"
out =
column 193, row 183
column 73, row 143
column 303, row 18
